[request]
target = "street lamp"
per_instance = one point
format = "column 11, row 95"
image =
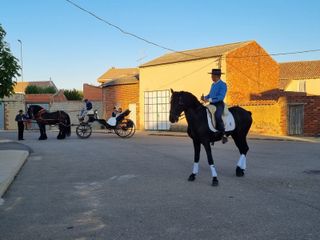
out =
column 21, row 59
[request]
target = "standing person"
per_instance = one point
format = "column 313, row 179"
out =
column 216, row 96
column 20, row 118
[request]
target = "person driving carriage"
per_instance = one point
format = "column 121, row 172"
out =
column 87, row 107
column 215, row 97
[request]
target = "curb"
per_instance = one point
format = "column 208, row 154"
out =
column 260, row 137
column 11, row 162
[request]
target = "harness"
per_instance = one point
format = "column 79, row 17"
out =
column 39, row 117
column 39, row 114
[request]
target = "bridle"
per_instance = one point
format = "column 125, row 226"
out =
column 182, row 114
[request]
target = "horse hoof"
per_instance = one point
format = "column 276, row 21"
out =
column 192, row 177
column 239, row 172
column 215, row 181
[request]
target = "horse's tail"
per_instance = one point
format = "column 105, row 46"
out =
column 68, row 127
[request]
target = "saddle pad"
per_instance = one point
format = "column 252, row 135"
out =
column 227, row 119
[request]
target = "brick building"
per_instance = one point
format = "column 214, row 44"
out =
column 301, row 76
column 120, row 88
column 300, row 82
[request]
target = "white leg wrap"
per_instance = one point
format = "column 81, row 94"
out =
column 213, row 171
column 195, row 169
column 242, row 163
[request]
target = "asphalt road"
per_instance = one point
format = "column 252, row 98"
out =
column 105, row 187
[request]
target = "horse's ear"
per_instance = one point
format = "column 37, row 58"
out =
column 171, row 90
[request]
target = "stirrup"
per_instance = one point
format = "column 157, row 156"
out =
column 224, row 139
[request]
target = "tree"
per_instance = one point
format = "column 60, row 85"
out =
column 33, row 89
column 73, row 94
column 9, row 67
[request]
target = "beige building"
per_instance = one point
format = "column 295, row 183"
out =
column 302, row 76
column 249, row 72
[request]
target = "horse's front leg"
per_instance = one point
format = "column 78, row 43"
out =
column 195, row 170
column 44, row 132
column 41, row 131
column 214, row 174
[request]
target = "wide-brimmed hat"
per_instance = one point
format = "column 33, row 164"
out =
column 216, row 71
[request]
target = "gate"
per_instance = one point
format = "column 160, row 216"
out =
column 156, row 110
column 296, row 119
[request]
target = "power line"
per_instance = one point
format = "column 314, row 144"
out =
column 175, row 51
column 126, row 32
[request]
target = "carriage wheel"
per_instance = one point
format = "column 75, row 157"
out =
column 125, row 129
column 84, row 131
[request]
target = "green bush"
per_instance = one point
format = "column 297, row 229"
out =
column 33, row 89
column 73, row 94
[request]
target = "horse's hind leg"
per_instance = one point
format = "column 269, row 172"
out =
column 195, row 170
column 62, row 134
column 241, row 143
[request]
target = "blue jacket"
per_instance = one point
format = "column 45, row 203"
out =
column 88, row 105
column 217, row 92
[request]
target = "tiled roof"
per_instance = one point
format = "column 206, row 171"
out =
column 21, row 86
column 195, row 54
column 125, row 80
column 299, row 70
column 118, row 73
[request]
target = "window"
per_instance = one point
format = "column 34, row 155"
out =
column 302, row 86
column 156, row 110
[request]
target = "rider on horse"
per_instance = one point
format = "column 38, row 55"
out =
column 215, row 97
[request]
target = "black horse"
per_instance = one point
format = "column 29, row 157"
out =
column 200, row 133
column 43, row 118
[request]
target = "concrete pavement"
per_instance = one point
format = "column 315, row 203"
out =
column 14, row 154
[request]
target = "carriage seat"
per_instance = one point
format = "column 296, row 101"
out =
column 227, row 118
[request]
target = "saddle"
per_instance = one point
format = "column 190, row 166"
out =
column 227, row 118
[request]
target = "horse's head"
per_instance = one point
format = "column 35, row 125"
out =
column 182, row 101
column 33, row 110
column 176, row 106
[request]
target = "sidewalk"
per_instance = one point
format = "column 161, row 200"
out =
column 12, row 157
column 250, row 136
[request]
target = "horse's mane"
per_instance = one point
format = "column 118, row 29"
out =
column 37, row 107
column 190, row 100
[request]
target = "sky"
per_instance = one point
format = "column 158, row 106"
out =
column 62, row 43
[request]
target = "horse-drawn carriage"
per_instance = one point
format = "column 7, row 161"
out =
column 120, row 125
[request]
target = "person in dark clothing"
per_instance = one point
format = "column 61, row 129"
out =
column 87, row 107
column 88, row 104
column 215, row 97
column 20, row 118
column 114, row 112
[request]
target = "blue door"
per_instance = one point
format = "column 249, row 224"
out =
column 1, row 116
